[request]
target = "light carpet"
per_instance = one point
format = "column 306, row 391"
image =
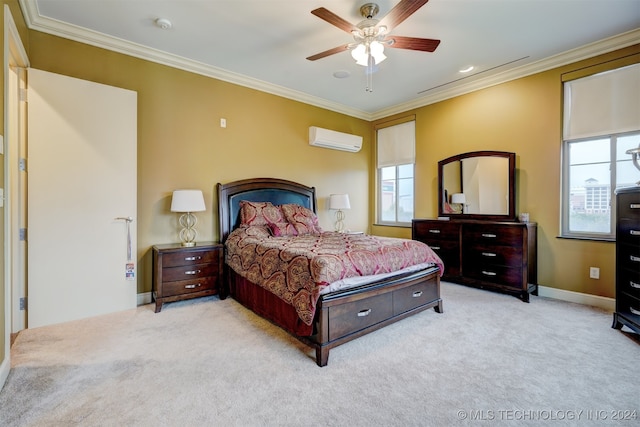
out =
column 489, row 359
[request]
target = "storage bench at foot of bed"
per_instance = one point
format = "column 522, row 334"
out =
column 345, row 315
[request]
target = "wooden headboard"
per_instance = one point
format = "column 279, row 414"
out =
column 274, row 190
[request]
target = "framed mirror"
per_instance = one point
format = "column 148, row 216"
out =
column 478, row 185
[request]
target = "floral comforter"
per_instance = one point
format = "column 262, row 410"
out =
column 296, row 268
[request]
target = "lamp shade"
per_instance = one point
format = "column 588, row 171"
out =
column 458, row 198
column 187, row 201
column 339, row 201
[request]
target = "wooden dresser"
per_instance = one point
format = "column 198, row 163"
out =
column 181, row 273
column 627, row 259
column 493, row 255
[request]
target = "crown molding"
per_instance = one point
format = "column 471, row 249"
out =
column 62, row 29
column 588, row 51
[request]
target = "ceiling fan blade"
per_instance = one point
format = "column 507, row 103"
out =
column 413, row 43
column 328, row 52
column 400, row 12
column 334, row 19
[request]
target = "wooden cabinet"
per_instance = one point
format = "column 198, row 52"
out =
column 181, row 273
column 487, row 254
column 627, row 259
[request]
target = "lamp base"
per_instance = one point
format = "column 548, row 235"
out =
column 188, row 233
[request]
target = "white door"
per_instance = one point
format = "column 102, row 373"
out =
column 81, row 177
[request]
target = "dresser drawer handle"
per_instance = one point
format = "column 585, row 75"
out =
column 363, row 313
column 416, row 294
column 193, row 272
column 435, row 248
column 490, row 235
column 489, row 273
column 634, row 284
column 192, row 258
column 634, row 206
column 634, row 258
column 634, row 232
column 634, row 311
column 434, row 231
column 197, row 285
column 489, row 254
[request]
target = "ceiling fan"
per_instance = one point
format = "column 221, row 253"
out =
column 371, row 35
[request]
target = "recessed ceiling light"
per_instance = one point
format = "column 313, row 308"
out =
column 164, row 23
column 466, row 70
column 341, row 74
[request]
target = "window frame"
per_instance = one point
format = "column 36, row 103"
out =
column 396, row 179
column 613, row 162
column 378, row 181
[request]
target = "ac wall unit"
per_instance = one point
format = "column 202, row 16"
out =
column 326, row 138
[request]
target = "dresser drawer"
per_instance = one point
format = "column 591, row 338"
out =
column 629, row 307
column 449, row 253
column 499, row 274
column 629, row 206
column 427, row 231
column 491, row 234
column 628, row 230
column 353, row 316
column 189, row 272
column 628, row 281
column 408, row 298
column 182, row 287
column 482, row 254
column 189, row 258
column 628, row 256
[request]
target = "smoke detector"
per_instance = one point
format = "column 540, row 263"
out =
column 163, row 23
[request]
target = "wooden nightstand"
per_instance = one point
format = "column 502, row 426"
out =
column 181, row 273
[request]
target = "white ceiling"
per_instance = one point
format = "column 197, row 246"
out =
column 263, row 43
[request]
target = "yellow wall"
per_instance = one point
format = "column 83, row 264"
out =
column 181, row 143
column 522, row 116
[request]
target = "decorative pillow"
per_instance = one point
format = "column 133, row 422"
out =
column 303, row 219
column 259, row 213
column 281, row 229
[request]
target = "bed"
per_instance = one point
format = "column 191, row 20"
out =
column 320, row 311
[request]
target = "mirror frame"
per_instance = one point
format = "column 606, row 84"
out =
column 510, row 215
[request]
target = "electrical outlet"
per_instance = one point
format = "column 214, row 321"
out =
column 594, row 272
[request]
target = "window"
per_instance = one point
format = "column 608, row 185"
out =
column 395, row 187
column 601, row 122
column 591, row 165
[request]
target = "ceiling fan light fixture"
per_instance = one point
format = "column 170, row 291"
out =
column 359, row 53
column 377, row 51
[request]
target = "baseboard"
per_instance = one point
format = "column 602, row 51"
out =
column 144, row 298
column 578, row 297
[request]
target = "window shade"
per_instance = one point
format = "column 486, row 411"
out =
column 397, row 145
column 602, row 104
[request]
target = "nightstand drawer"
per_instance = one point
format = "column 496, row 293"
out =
column 189, row 258
column 189, row 272
column 189, row 286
